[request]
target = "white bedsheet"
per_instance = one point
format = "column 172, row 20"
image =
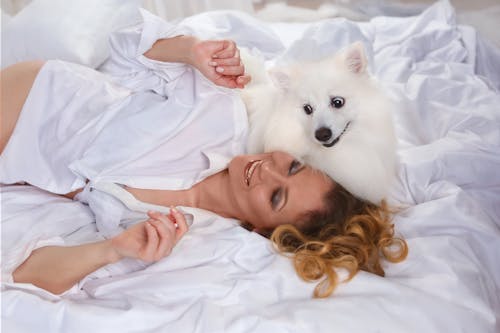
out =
column 222, row 278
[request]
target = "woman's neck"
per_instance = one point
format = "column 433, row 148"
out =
column 211, row 194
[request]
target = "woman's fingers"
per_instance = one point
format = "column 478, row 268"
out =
column 226, row 81
column 228, row 50
column 231, row 70
column 229, row 66
column 243, row 80
column 147, row 253
column 224, row 64
column 166, row 237
column 150, row 240
column 158, row 216
column 169, row 228
column 164, row 218
column 233, row 81
column 181, row 222
column 232, row 61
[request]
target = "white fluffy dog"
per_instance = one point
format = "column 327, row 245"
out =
column 332, row 114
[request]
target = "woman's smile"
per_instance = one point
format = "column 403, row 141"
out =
column 249, row 169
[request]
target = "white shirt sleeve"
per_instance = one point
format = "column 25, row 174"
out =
column 127, row 64
column 17, row 255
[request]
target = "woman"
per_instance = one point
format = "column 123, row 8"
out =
column 156, row 132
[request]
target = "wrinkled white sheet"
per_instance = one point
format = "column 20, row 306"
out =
column 222, row 278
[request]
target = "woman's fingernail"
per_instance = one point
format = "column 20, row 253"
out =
column 212, row 63
column 214, row 56
column 219, row 69
column 175, row 210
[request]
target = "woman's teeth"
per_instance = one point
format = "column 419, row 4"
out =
column 250, row 168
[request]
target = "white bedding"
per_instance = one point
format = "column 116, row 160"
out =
column 221, row 277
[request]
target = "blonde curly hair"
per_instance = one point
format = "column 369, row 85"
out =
column 350, row 234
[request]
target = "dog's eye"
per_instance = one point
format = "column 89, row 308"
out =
column 308, row 109
column 337, row 102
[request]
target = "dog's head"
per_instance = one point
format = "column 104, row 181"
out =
column 325, row 96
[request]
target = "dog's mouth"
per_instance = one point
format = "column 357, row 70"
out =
column 334, row 141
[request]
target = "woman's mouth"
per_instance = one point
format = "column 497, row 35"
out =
column 249, row 169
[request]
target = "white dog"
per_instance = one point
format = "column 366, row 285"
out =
column 332, row 114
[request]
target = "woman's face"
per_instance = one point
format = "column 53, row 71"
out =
column 273, row 188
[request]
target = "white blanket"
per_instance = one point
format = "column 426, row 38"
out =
column 222, row 278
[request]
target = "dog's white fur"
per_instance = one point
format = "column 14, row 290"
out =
column 363, row 160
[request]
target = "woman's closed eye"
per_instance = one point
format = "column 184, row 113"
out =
column 276, row 198
column 295, row 166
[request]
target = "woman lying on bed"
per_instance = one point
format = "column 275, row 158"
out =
column 153, row 133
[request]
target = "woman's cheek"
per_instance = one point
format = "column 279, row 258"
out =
column 260, row 203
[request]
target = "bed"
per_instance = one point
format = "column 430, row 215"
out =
column 223, row 278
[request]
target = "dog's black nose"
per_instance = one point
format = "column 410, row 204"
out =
column 323, row 134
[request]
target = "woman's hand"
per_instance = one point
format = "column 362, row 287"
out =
column 219, row 61
column 152, row 239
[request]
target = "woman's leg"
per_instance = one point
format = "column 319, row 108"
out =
column 15, row 85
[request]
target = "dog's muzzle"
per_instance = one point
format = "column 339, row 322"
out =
column 324, row 134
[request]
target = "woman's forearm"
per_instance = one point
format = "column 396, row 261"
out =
column 175, row 49
column 57, row 268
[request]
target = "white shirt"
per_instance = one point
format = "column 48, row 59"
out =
column 145, row 124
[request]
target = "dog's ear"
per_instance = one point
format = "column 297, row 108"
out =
column 280, row 78
column 355, row 58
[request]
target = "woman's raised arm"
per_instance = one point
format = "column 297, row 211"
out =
column 218, row 60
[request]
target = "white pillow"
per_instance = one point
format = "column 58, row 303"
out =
column 76, row 30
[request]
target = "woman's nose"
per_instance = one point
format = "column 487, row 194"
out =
column 269, row 172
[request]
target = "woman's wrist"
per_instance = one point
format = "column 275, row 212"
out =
column 188, row 44
column 110, row 252
column 176, row 49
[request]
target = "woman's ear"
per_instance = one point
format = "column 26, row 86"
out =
column 355, row 58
